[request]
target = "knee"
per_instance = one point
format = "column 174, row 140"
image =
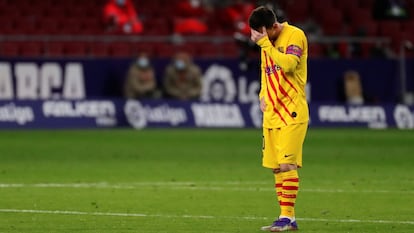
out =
column 287, row 167
column 276, row 170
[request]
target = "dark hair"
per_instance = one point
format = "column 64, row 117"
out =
column 262, row 16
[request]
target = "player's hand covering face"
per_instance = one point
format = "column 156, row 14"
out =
column 256, row 35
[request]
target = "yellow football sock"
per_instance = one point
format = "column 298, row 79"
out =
column 278, row 186
column 289, row 191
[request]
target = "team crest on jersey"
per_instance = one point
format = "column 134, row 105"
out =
column 272, row 69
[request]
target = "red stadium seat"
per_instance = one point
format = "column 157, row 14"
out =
column 348, row 7
column 99, row 49
column 56, row 13
column 92, row 26
column 360, row 15
column 190, row 48
column 209, row 50
column 389, row 27
column 48, row 26
column 165, row 50
column 297, row 11
column 157, row 27
column 144, row 47
column 9, row 49
column 54, row 49
column 367, row 28
column 229, row 50
column 319, row 7
column 7, row 27
column 76, row 49
column 121, row 49
column 368, row 4
column 25, row 26
column 31, row 49
column 315, row 50
column 332, row 21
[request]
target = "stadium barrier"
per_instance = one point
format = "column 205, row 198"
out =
column 77, row 93
column 111, row 113
column 223, row 80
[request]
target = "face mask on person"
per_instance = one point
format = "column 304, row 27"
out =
column 179, row 64
column 120, row 2
column 142, row 62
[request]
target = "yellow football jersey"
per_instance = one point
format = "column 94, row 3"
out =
column 283, row 78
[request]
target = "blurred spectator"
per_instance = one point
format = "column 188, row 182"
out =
column 390, row 9
column 141, row 82
column 120, row 16
column 237, row 14
column 381, row 50
column 182, row 78
column 191, row 17
column 311, row 28
column 332, row 51
column 353, row 88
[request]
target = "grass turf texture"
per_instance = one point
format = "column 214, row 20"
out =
column 200, row 181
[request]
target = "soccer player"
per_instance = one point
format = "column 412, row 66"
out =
column 284, row 52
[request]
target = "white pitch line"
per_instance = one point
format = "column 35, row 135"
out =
column 190, row 186
column 66, row 212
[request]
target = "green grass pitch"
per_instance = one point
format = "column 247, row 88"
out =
column 188, row 180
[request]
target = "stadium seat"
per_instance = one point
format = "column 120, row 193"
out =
column 144, row 47
column 92, row 26
column 363, row 15
column 165, row 50
column 79, row 17
column 366, row 3
column 315, row 50
column 31, row 49
column 25, row 26
column 99, row 49
column 229, row 50
column 48, row 26
column 121, row 49
column 318, row 7
column 7, row 27
column 348, row 7
column 54, row 49
column 297, row 12
column 70, row 27
column 332, row 21
column 9, row 49
column 209, row 50
column 76, row 49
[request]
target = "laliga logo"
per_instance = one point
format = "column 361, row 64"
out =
column 218, row 84
column 135, row 114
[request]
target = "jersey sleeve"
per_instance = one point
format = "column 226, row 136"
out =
column 289, row 60
column 263, row 85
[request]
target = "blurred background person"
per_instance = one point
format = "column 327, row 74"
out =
column 140, row 81
column 190, row 17
column 182, row 79
column 353, row 88
column 390, row 9
column 120, row 16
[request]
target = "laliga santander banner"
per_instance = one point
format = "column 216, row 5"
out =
column 111, row 113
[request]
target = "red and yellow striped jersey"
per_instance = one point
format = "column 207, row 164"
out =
column 283, row 78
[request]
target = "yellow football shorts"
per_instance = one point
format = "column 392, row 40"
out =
column 283, row 145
